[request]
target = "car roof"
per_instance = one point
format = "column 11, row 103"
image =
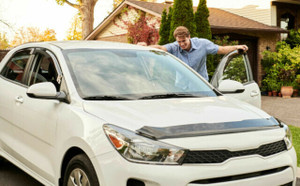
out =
column 64, row 45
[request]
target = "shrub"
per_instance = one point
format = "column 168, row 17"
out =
column 281, row 66
column 294, row 38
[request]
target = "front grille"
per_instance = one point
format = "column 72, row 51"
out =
column 219, row 156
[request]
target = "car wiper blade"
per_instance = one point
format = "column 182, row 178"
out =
column 106, row 98
column 159, row 96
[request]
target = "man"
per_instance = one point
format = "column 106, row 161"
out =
column 193, row 51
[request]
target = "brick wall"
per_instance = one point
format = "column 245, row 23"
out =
column 265, row 41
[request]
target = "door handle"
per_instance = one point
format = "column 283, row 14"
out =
column 19, row 99
column 254, row 93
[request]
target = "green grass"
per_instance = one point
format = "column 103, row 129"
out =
column 296, row 141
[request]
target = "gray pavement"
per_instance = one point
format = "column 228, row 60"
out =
column 287, row 110
column 10, row 175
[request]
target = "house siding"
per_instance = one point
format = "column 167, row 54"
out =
column 258, row 10
column 251, row 12
column 117, row 27
column 119, row 38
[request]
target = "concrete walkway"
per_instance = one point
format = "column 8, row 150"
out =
column 287, row 110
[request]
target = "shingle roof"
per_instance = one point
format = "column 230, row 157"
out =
column 218, row 19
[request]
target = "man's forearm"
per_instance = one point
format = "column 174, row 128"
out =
column 159, row 47
column 227, row 49
column 153, row 46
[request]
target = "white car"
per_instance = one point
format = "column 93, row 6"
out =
column 111, row 114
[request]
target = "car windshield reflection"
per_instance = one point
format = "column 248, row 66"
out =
column 132, row 74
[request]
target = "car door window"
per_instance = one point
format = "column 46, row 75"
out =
column 236, row 70
column 15, row 68
column 43, row 70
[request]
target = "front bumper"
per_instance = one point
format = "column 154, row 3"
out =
column 112, row 169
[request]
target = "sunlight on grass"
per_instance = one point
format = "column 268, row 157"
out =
column 296, row 141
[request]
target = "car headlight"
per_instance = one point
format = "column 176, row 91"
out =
column 288, row 136
column 136, row 148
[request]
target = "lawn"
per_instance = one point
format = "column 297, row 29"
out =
column 296, row 141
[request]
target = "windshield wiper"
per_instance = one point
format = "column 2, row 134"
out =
column 105, row 98
column 160, row 96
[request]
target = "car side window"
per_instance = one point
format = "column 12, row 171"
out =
column 43, row 70
column 15, row 67
column 236, row 70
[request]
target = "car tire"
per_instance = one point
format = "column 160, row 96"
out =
column 80, row 171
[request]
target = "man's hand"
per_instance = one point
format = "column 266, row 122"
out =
column 242, row 47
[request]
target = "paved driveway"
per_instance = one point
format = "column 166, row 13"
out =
column 287, row 110
column 10, row 175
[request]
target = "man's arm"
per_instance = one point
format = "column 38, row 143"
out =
column 227, row 49
column 153, row 46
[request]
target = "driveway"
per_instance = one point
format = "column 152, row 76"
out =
column 286, row 110
column 10, row 175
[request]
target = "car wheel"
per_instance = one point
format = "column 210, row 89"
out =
column 80, row 171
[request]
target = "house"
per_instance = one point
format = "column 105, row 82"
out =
column 257, row 35
column 281, row 13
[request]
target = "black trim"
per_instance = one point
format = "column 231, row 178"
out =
column 240, row 176
column 204, row 129
column 233, row 92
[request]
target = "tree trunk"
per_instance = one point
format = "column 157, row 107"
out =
column 87, row 13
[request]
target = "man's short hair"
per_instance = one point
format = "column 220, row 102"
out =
column 181, row 31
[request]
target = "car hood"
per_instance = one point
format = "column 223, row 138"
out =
column 136, row 114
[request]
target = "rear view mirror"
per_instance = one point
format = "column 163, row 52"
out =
column 46, row 90
column 230, row 87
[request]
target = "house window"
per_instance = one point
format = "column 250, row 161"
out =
column 287, row 21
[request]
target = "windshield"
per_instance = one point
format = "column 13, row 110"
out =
column 132, row 74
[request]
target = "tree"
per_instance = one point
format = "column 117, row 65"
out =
column 182, row 15
column 201, row 21
column 3, row 41
column 86, row 9
column 164, row 30
column 140, row 26
column 116, row 3
column 75, row 31
column 142, row 31
column 170, row 15
column 31, row 34
column 48, row 35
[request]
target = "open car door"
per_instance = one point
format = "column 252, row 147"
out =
column 233, row 77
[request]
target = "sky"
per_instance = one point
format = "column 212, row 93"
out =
column 47, row 14
column 44, row 14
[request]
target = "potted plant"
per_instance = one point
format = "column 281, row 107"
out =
column 274, row 86
column 270, row 84
column 287, row 76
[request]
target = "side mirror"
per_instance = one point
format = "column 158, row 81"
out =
column 230, row 87
column 46, row 90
